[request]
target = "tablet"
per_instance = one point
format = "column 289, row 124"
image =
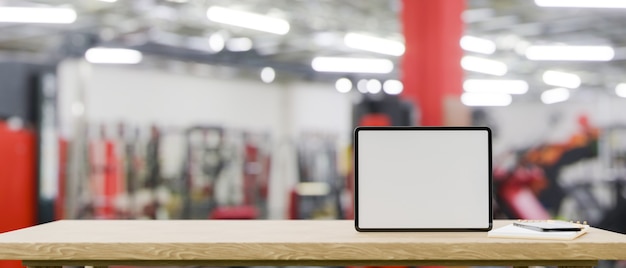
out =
column 422, row 179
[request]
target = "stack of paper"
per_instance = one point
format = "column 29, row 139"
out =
column 512, row 231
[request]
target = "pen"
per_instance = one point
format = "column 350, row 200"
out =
column 550, row 229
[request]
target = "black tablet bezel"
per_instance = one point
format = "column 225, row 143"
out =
column 405, row 128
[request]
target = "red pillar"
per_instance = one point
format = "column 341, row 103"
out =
column 17, row 182
column 17, row 178
column 431, row 70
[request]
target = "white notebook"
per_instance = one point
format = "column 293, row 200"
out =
column 512, row 231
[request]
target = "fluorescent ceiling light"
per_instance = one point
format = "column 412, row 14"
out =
column 480, row 65
column 113, row 55
column 37, row 15
column 361, row 86
column 374, row 44
column 374, row 86
column 570, row 53
column 327, row 39
column 343, row 85
column 555, row 95
column 620, row 90
column 478, row 45
column 268, row 75
column 561, row 79
column 486, row 99
column 216, row 42
column 495, row 86
column 351, row 65
column 477, row 14
column 195, row 43
column 393, row 87
column 239, row 44
column 582, row 3
column 248, row 20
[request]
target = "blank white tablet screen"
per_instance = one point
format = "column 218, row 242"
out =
column 423, row 179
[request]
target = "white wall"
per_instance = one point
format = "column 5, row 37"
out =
column 142, row 97
column 148, row 96
column 528, row 124
column 319, row 107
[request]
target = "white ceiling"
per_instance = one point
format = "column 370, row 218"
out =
column 173, row 30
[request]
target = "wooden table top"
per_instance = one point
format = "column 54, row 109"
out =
column 306, row 242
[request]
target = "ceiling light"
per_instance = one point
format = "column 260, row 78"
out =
column 374, row 44
column 582, row 3
column 248, row 20
column 37, row 15
column 195, row 43
column 521, row 47
column 495, row 86
column 555, row 95
column 570, row 53
column 326, row 39
column 113, row 55
column 268, row 75
column 239, row 44
column 561, row 79
column 620, row 90
column 393, row 87
column 361, row 86
column 477, row 14
column 481, row 65
column 374, row 86
column 351, row 65
column 478, row 45
column 216, row 42
column 486, row 99
column 343, row 85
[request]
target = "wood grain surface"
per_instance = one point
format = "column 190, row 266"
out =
column 295, row 242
